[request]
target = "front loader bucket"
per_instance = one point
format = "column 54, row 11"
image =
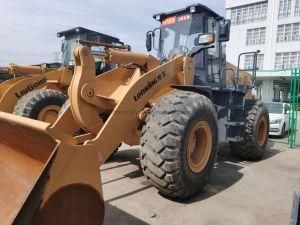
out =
column 23, row 157
column 45, row 182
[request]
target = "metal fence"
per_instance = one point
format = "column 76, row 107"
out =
column 294, row 139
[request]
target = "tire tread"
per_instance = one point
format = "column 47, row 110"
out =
column 161, row 137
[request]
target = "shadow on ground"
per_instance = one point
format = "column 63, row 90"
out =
column 225, row 174
column 225, row 154
column 116, row 216
column 132, row 157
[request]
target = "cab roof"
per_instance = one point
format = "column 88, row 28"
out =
column 81, row 30
column 199, row 8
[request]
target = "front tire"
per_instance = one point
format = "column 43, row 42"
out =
column 180, row 143
column 255, row 132
column 43, row 105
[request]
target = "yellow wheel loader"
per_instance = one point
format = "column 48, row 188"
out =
column 35, row 92
column 38, row 92
column 178, row 107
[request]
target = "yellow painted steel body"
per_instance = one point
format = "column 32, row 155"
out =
column 69, row 164
column 53, row 176
column 20, row 70
column 14, row 89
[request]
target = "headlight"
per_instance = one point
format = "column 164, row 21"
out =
column 193, row 9
column 278, row 121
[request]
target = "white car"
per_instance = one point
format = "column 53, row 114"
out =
column 279, row 118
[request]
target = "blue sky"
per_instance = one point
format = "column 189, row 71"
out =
column 28, row 28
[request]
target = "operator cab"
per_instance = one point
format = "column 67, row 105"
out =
column 199, row 32
column 194, row 30
column 70, row 41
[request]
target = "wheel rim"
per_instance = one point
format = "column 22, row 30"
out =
column 199, row 146
column 49, row 114
column 262, row 131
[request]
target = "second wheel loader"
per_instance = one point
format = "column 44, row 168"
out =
column 177, row 107
column 39, row 92
column 36, row 92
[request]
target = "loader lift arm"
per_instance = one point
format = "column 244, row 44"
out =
column 126, row 100
column 69, row 167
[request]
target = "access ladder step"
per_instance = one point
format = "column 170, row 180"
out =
column 230, row 123
column 235, row 139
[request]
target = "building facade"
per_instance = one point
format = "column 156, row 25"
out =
column 273, row 27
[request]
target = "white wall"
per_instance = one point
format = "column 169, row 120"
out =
column 237, row 43
column 235, row 3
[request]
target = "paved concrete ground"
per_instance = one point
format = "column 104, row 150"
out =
column 239, row 192
column 283, row 140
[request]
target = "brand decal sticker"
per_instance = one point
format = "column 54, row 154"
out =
column 150, row 84
column 31, row 87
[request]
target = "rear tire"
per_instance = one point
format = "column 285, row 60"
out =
column 167, row 158
column 43, row 104
column 255, row 132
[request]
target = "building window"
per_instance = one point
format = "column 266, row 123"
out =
column 249, row 13
column 256, row 36
column 297, row 8
column 288, row 32
column 285, row 8
column 287, row 60
column 249, row 60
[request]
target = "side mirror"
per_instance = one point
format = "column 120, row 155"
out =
column 224, row 30
column 205, row 39
column 149, row 41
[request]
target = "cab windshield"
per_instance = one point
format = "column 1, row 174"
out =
column 178, row 34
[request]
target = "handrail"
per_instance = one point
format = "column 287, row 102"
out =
column 96, row 43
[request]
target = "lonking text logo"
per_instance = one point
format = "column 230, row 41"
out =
column 150, row 84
